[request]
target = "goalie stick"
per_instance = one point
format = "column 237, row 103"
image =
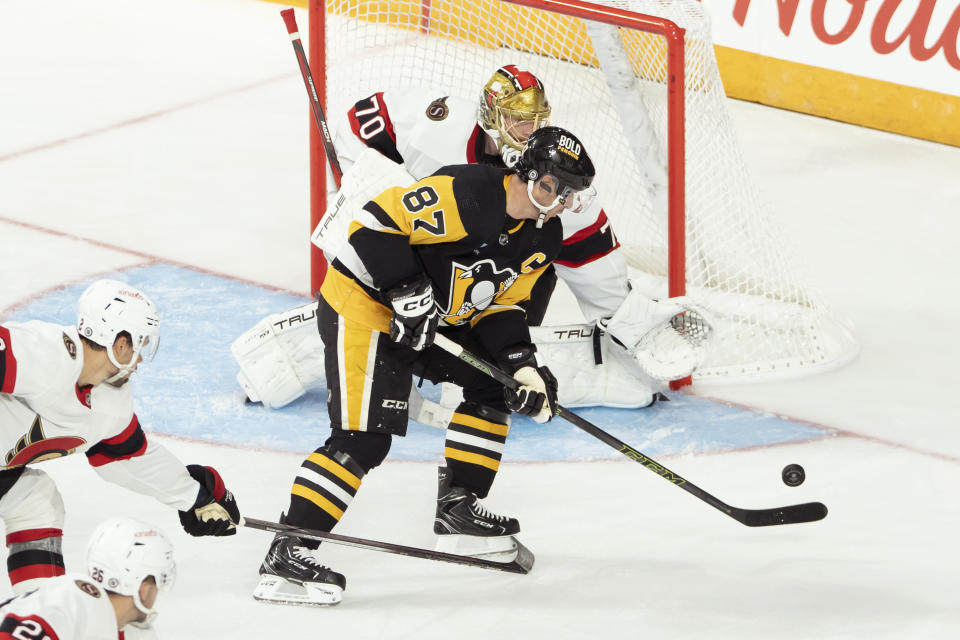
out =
column 291, row 21
column 521, row 564
column 791, row 514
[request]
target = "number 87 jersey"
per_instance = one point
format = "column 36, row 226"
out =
column 453, row 226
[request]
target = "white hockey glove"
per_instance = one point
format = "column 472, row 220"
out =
column 414, row 321
column 537, row 395
column 667, row 338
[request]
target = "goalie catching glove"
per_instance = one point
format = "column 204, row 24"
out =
column 215, row 512
column 667, row 338
column 537, row 394
column 414, row 321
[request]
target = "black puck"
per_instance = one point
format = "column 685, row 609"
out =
column 793, row 475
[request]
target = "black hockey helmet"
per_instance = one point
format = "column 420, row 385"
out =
column 556, row 151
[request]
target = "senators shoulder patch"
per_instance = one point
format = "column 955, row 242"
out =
column 438, row 109
column 71, row 346
column 88, row 588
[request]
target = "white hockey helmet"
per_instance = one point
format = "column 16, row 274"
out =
column 124, row 552
column 110, row 307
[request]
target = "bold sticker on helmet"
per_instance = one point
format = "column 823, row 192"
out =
column 570, row 146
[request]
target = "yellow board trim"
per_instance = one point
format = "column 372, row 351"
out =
column 479, row 423
column 472, row 458
column 317, row 499
column 334, row 468
column 840, row 96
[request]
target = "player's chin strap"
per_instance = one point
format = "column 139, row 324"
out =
column 543, row 210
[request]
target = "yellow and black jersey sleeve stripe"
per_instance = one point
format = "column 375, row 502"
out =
column 426, row 212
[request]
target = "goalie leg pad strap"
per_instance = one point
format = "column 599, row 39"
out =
column 569, row 353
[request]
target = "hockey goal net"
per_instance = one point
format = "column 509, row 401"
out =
column 637, row 82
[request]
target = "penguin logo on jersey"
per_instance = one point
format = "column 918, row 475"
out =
column 474, row 287
column 438, row 109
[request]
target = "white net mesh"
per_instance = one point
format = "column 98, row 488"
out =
column 608, row 86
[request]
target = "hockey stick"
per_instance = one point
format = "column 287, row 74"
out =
column 291, row 21
column 792, row 514
column 521, row 564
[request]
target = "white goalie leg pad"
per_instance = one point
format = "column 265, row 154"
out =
column 368, row 177
column 430, row 413
column 618, row 381
column 282, row 591
column 281, row 357
column 668, row 338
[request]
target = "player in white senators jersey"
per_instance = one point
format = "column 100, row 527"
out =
column 424, row 132
column 63, row 390
column 129, row 564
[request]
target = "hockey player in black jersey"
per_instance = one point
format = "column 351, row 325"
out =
column 456, row 252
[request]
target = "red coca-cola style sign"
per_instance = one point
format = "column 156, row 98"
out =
column 881, row 40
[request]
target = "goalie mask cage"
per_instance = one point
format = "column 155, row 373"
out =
column 637, row 82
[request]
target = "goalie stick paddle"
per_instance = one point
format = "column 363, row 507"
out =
column 291, row 21
column 792, row 514
column 521, row 564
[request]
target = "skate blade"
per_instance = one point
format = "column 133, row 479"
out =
column 495, row 549
column 277, row 590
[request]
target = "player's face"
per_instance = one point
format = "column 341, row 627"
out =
column 519, row 129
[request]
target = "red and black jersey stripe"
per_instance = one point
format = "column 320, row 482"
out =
column 370, row 121
column 32, row 627
column 8, row 363
column 589, row 244
column 34, row 563
column 129, row 443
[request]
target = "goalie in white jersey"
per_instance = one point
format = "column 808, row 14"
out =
column 281, row 357
column 63, row 390
column 129, row 565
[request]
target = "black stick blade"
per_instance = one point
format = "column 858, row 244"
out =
column 793, row 514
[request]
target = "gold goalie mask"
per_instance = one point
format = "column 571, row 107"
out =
column 513, row 105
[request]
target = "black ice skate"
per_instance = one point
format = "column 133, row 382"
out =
column 466, row 527
column 291, row 573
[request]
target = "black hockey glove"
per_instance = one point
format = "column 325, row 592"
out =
column 537, row 394
column 215, row 512
column 414, row 321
